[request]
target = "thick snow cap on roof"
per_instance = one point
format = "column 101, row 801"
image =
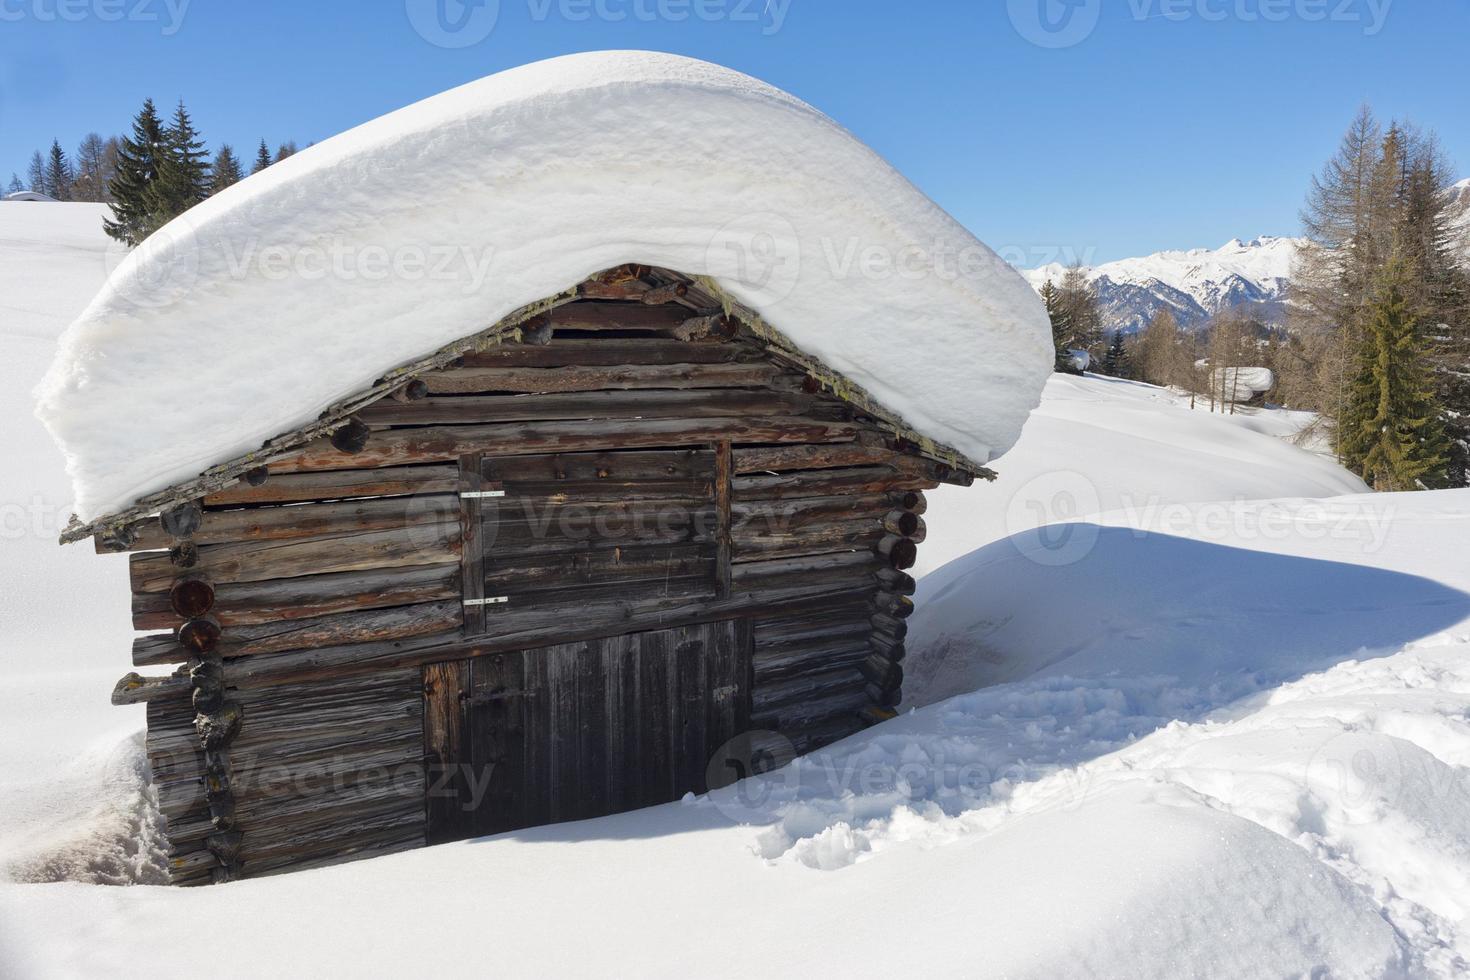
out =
column 250, row 314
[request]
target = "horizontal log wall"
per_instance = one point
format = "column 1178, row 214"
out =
column 303, row 602
column 320, row 772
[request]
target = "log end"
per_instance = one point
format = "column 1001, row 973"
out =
column 191, row 598
column 351, row 438
column 199, row 635
column 183, row 520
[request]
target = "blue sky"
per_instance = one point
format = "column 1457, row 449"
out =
column 1134, row 126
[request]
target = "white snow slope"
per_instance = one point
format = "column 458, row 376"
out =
column 1227, row 740
column 306, row 282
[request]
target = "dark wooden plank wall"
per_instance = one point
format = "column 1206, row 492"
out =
column 337, row 578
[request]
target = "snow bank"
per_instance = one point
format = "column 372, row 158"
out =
column 1098, row 445
column 73, row 803
column 251, row 313
column 1241, row 384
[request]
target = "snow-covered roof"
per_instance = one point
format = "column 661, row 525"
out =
column 29, row 196
column 1241, row 383
column 254, row 311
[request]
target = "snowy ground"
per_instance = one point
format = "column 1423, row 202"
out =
column 1227, row 734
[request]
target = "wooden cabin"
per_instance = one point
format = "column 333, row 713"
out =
column 554, row 570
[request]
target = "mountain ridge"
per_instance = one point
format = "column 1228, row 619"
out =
column 1194, row 284
column 1200, row 283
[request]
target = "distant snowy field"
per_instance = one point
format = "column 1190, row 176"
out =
column 1228, row 734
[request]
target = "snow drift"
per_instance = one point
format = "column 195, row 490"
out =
column 252, row 312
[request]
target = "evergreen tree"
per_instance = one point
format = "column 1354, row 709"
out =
column 36, row 173
column 183, row 169
column 1385, row 193
column 1425, row 229
column 262, row 158
column 134, row 209
column 285, row 150
column 1115, row 361
column 58, row 173
column 15, row 185
column 1061, row 333
column 226, row 169
column 1390, row 432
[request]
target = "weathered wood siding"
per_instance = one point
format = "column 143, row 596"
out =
column 305, row 603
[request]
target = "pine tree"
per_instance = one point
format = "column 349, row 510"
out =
column 1061, row 332
column 58, row 173
column 1425, row 227
column 15, row 185
column 134, row 209
column 226, row 169
column 1386, row 192
column 1115, row 361
column 36, row 173
column 262, row 158
column 1390, row 432
column 285, row 150
column 183, row 170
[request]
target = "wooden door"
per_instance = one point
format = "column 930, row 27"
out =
column 585, row 534
column 581, row 729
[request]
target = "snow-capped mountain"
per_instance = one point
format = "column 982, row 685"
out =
column 1462, row 198
column 1195, row 284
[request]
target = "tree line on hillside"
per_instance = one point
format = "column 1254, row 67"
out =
column 1377, row 338
column 148, row 177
